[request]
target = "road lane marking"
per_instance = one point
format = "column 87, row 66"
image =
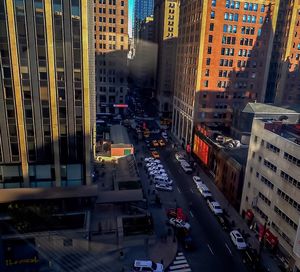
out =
column 178, row 190
column 191, row 214
column 210, row 249
column 228, row 249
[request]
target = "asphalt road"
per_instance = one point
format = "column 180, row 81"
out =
column 215, row 252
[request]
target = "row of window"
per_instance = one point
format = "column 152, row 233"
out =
column 244, row 53
column 110, row 20
column 291, row 159
column 270, row 165
column 231, row 17
column 236, row 5
column 110, row 2
column 246, row 63
column 282, row 234
column 110, row 11
column 285, row 218
column 288, row 199
column 266, row 182
column 264, row 198
column 261, row 213
column 272, row 148
column 290, row 179
column 110, row 29
column 251, row 19
column 227, row 51
column 228, row 40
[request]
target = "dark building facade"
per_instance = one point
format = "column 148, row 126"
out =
column 46, row 93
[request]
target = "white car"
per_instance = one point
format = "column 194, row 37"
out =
column 179, row 157
column 215, row 207
column 163, row 186
column 179, row 223
column 157, row 161
column 150, row 164
column 149, row 159
column 186, row 169
column 238, row 240
column 204, row 191
column 197, row 179
column 157, row 173
column 140, row 265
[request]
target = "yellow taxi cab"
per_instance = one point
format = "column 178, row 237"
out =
column 155, row 154
column 155, row 143
column 161, row 143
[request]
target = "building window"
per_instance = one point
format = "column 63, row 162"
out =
column 211, row 27
column 264, row 198
column 289, row 200
column 213, row 3
column 207, row 72
column 272, row 148
column 290, row 179
column 270, row 165
column 291, row 159
column 212, row 15
column 285, row 218
column 208, row 61
column 246, row 6
column 205, row 83
column 210, row 38
column 262, row 8
column 266, row 182
column 209, row 50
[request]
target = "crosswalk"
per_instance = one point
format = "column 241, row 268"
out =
column 180, row 264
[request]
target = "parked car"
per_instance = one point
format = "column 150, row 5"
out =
column 225, row 224
column 155, row 143
column 179, row 223
column 186, row 169
column 238, row 240
column 214, row 206
column 161, row 143
column 204, row 191
column 179, row 157
column 163, row 187
column 149, row 159
column 177, row 213
column 141, row 265
column 155, row 154
column 197, row 179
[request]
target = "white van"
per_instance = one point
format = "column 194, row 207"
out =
column 160, row 179
column 204, row 191
column 140, row 265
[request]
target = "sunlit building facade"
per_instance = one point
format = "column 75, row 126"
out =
column 223, row 55
column 46, row 95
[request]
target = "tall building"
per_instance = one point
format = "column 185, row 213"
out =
column 271, row 193
column 166, row 16
column 287, row 81
column 46, row 97
column 111, row 49
column 279, row 47
column 142, row 9
column 223, row 55
column 143, row 66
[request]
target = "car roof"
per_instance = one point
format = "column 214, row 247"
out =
column 236, row 233
column 143, row 263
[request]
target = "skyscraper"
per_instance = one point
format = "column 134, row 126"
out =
column 166, row 14
column 111, row 48
column 142, row 9
column 46, row 94
column 223, row 55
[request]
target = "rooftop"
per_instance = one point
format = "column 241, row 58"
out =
column 260, row 108
column 239, row 154
column 119, row 135
column 288, row 131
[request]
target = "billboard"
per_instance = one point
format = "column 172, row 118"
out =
column 201, row 149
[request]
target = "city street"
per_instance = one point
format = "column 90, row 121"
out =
column 215, row 251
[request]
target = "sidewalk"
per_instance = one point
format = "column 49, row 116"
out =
column 233, row 215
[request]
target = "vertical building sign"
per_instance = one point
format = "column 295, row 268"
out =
column 171, row 19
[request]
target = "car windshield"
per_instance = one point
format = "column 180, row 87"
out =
column 240, row 240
